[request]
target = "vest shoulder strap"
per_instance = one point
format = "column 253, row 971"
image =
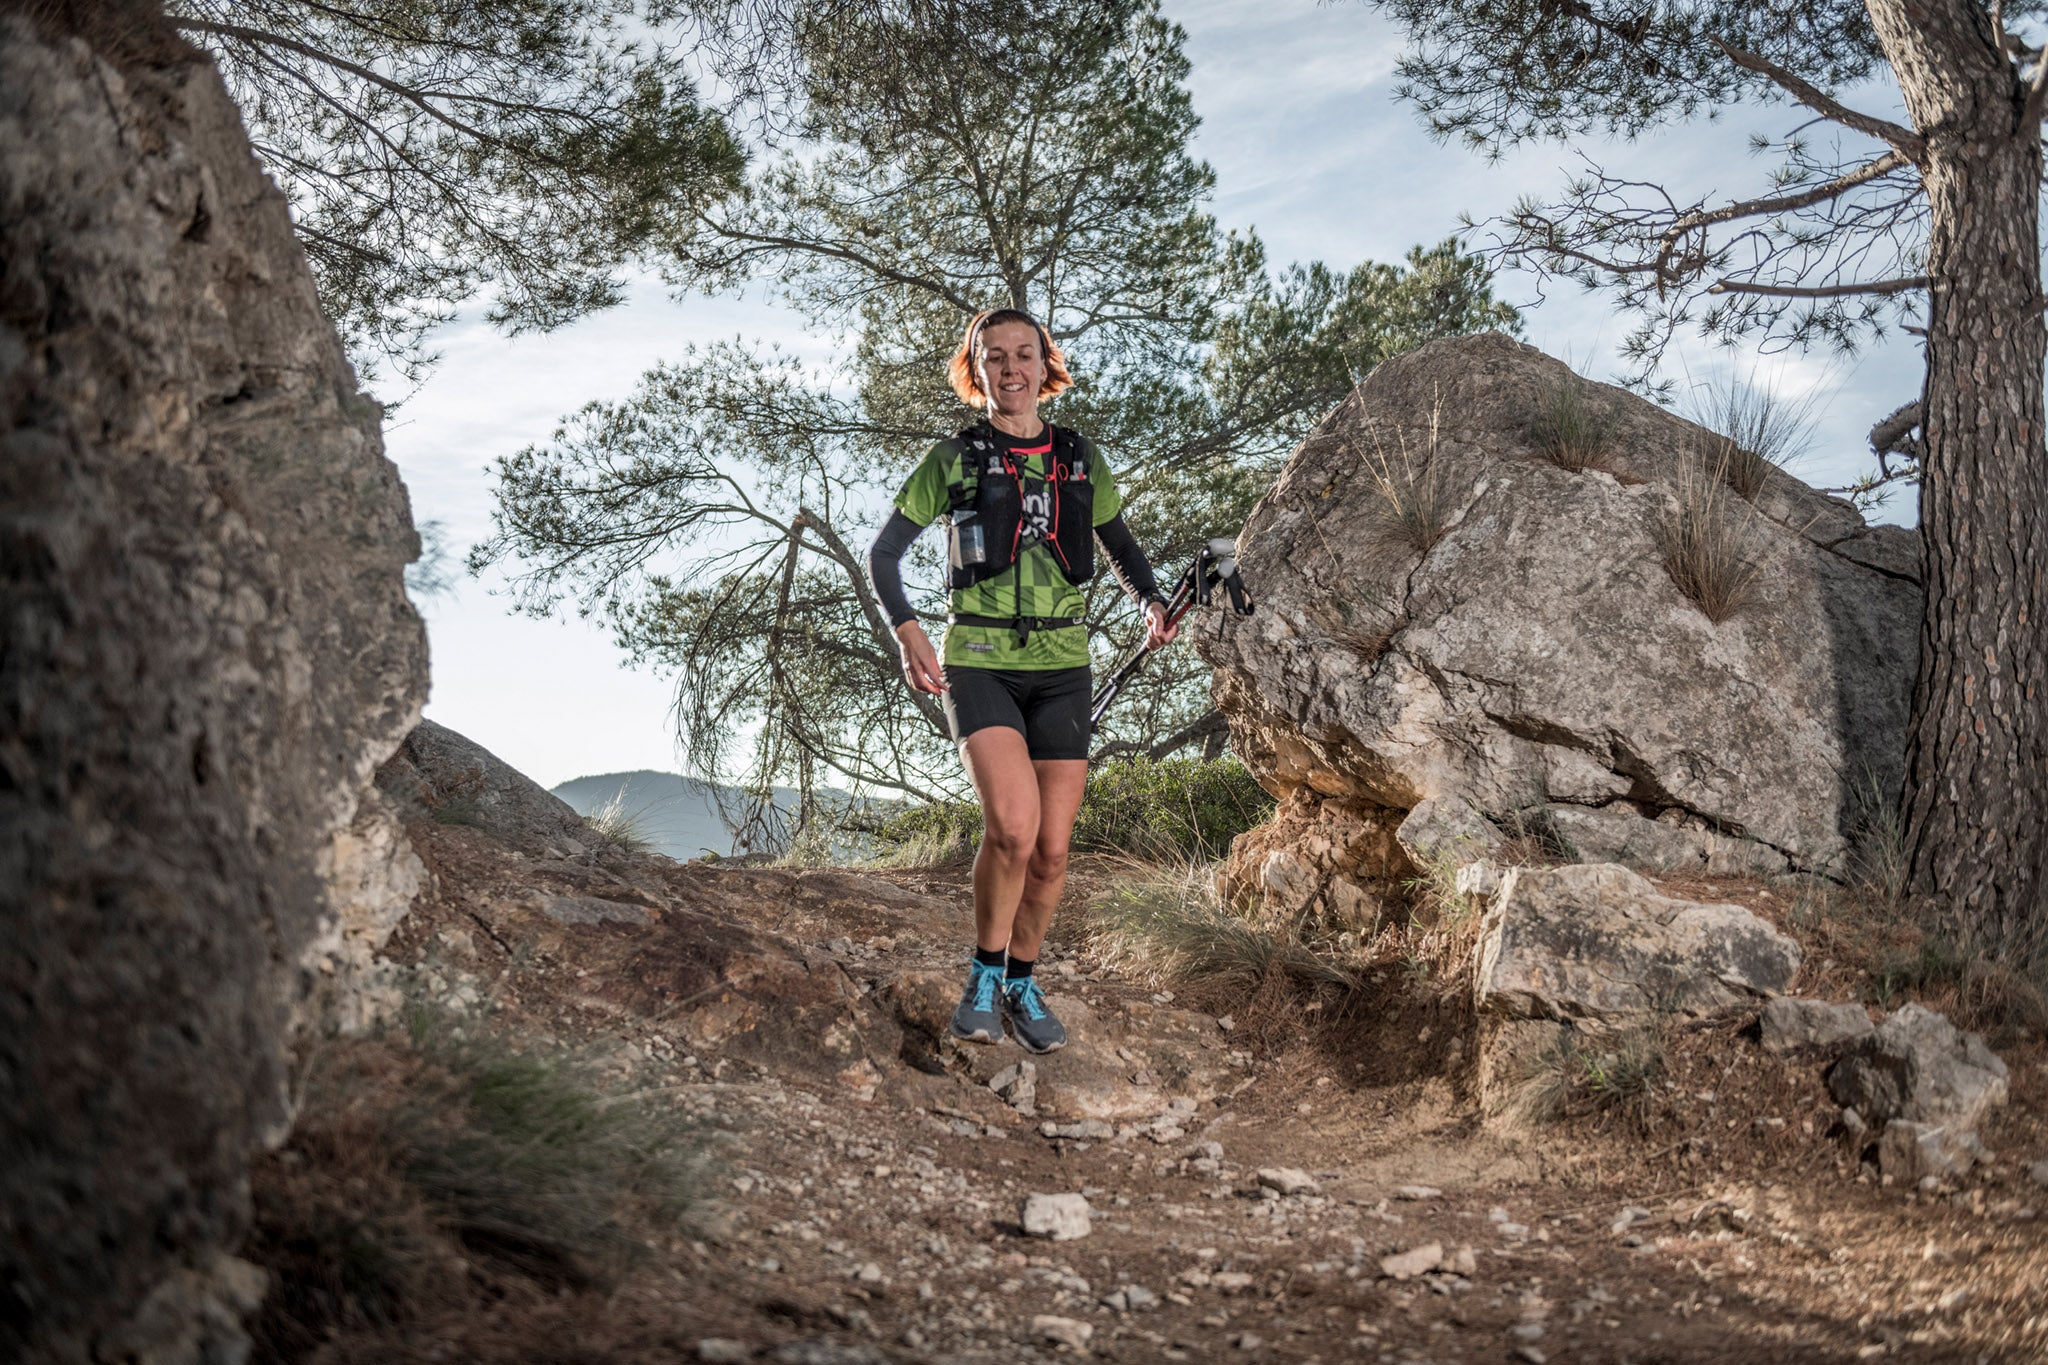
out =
column 1070, row 451
column 973, row 450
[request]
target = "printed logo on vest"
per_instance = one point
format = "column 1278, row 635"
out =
column 1038, row 512
column 981, row 647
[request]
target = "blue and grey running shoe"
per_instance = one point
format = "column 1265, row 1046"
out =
column 977, row 1019
column 1030, row 1019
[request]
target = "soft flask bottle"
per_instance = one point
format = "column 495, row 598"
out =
column 970, row 549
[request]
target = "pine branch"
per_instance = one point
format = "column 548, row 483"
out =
column 1905, row 140
column 1819, row 291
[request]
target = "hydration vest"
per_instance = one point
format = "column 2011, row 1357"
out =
column 985, row 523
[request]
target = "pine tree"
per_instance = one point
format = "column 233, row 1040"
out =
column 432, row 149
column 944, row 157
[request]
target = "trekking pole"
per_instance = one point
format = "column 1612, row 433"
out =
column 1215, row 565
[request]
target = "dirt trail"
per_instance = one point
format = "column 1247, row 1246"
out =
column 869, row 1182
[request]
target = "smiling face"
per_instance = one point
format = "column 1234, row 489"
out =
column 1012, row 368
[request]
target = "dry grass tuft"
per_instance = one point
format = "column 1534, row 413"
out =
column 617, row 827
column 926, row 848
column 1609, row 1075
column 425, row 1168
column 1711, row 545
column 1755, row 431
column 1875, row 943
column 1166, row 925
column 1412, row 504
column 1575, row 430
column 1877, row 845
column 1442, row 929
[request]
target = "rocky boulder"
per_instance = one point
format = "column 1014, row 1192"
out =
column 1923, row 1086
column 1527, row 652
column 1599, row 943
column 453, row 779
column 209, row 649
column 1919, row 1067
column 1447, row 830
column 1788, row 1024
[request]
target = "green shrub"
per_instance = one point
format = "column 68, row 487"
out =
column 1169, row 808
column 925, row 836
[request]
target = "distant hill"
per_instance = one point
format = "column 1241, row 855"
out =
column 675, row 815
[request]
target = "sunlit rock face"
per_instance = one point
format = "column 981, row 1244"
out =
column 1539, row 661
column 208, row 650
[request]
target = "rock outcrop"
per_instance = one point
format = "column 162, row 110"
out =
column 456, row 780
column 1600, row 944
column 209, row 650
column 1537, row 660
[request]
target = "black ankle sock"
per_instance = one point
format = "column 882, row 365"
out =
column 988, row 957
column 1019, row 968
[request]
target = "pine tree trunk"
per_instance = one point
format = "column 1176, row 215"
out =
column 1976, row 800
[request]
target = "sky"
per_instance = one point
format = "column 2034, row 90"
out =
column 1310, row 147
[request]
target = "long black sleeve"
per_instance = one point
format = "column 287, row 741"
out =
column 885, row 567
column 1127, row 559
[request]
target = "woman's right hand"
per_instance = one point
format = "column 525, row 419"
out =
column 920, row 660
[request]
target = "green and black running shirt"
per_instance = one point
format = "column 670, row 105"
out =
column 1046, row 591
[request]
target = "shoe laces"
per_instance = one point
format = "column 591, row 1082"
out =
column 1024, row 996
column 985, row 982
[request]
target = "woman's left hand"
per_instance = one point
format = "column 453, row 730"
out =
column 1159, row 631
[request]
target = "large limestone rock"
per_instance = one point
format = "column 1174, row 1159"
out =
column 208, row 650
column 1598, row 943
column 1538, row 662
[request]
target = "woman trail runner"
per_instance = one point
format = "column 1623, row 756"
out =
column 1024, row 502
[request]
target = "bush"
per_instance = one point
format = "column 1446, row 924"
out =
column 1169, row 809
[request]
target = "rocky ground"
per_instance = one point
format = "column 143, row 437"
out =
column 1257, row 1189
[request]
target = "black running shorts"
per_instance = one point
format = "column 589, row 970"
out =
column 1049, row 707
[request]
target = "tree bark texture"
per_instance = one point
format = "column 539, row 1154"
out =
column 1976, row 799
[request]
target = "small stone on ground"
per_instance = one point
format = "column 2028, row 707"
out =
column 1287, row 1180
column 1407, row 1265
column 1062, row 1331
column 1060, row 1217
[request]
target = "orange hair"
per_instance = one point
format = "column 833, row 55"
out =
column 963, row 371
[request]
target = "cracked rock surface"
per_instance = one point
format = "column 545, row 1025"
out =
column 208, row 649
column 1539, row 654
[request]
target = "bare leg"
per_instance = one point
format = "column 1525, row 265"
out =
column 1000, row 767
column 1061, row 783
